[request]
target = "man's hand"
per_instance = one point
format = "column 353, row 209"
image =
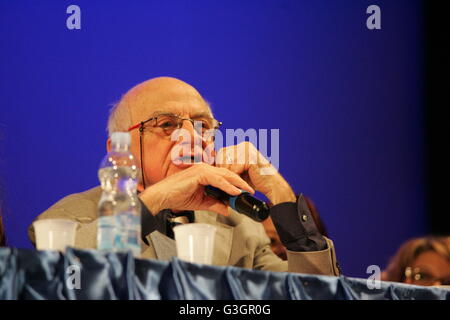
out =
column 185, row 190
column 245, row 160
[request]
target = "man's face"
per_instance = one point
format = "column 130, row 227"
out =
column 167, row 96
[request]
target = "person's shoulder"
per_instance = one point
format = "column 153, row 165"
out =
column 80, row 207
column 81, row 204
column 92, row 195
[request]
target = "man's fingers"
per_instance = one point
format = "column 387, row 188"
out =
column 235, row 180
column 225, row 180
column 238, row 181
column 244, row 153
column 223, row 184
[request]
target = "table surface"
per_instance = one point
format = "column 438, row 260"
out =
column 91, row 274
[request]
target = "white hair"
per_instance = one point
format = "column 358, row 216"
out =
column 119, row 118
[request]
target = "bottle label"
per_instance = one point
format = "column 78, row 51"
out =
column 128, row 233
column 106, row 233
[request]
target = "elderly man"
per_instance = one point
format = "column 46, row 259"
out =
column 172, row 189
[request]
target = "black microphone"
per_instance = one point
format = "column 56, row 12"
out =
column 244, row 203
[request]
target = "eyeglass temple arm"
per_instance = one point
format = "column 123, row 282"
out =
column 140, row 124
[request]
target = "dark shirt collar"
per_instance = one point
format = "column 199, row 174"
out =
column 168, row 215
column 161, row 221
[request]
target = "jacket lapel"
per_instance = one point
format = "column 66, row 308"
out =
column 148, row 251
column 222, row 242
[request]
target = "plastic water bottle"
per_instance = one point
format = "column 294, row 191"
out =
column 119, row 210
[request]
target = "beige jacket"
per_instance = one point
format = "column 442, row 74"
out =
column 239, row 241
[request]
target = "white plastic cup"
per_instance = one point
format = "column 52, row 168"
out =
column 195, row 242
column 54, row 234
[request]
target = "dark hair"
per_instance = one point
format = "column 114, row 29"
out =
column 410, row 250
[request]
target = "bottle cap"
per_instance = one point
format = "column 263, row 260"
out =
column 121, row 138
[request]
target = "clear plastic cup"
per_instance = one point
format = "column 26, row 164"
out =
column 195, row 242
column 54, row 234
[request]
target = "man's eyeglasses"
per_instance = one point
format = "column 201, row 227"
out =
column 423, row 278
column 168, row 123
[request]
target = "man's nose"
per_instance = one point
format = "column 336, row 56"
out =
column 195, row 136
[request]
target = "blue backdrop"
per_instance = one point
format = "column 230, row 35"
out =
column 348, row 101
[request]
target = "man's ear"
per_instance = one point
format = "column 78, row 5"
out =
column 108, row 145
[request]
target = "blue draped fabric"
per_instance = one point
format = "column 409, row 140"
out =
column 28, row 274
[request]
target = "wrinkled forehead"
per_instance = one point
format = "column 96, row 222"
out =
column 185, row 102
